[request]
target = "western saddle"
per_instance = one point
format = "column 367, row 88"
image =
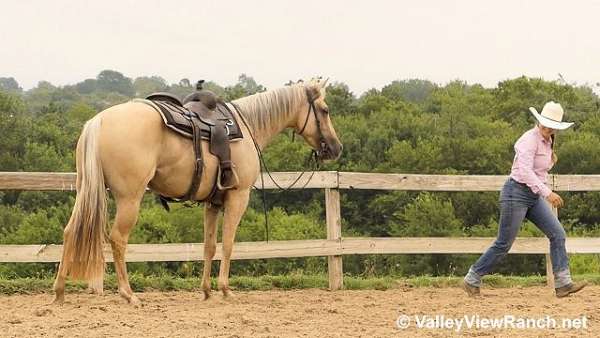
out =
column 201, row 115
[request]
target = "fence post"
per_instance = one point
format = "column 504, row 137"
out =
column 334, row 231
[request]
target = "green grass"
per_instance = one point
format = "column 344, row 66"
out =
column 141, row 283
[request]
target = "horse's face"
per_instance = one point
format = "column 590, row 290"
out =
column 316, row 127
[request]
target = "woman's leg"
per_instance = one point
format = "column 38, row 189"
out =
column 512, row 214
column 542, row 216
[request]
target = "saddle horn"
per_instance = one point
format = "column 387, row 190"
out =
column 207, row 97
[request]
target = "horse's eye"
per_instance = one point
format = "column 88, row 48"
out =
column 325, row 110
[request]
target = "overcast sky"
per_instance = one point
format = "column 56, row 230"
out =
column 364, row 44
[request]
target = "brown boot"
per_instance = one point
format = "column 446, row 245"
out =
column 566, row 290
column 472, row 291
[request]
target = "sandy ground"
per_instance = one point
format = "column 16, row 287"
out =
column 301, row 313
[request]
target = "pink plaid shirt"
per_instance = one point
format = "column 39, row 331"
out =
column 533, row 160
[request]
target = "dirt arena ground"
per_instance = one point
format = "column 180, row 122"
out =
column 301, row 313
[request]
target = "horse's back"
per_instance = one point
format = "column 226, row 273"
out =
column 137, row 149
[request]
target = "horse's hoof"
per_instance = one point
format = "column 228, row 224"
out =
column 97, row 292
column 130, row 298
column 206, row 294
column 227, row 293
column 96, row 287
column 135, row 302
column 58, row 301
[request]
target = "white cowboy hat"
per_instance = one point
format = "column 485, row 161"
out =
column 551, row 116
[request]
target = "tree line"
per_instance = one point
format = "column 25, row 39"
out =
column 408, row 126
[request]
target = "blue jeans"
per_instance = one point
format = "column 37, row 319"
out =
column 518, row 202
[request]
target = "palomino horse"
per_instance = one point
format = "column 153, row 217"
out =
column 127, row 148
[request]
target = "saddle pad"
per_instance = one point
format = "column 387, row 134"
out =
column 178, row 119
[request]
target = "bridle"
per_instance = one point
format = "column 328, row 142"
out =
column 323, row 147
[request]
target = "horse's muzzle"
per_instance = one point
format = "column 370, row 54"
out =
column 329, row 152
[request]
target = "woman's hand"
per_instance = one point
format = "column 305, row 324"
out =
column 555, row 200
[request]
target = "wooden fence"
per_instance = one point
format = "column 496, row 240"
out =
column 335, row 246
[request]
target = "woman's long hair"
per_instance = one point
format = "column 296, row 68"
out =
column 553, row 137
column 554, row 157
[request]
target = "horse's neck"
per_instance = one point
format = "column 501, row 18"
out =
column 265, row 133
column 265, row 136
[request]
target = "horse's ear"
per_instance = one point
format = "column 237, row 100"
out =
column 324, row 83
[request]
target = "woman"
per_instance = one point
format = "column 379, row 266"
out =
column 523, row 197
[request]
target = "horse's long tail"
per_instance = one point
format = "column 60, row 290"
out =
column 86, row 231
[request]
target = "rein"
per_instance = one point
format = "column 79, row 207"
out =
column 312, row 156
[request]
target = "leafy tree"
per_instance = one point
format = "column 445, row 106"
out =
column 413, row 90
column 514, row 97
column 40, row 96
column 181, row 89
column 427, row 215
column 113, row 81
column 246, row 86
column 87, row 86
column 13, row 127
column 145, row 85
column 340, row 99
column 9, row 84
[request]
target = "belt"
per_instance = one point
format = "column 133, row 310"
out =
column 517, row 182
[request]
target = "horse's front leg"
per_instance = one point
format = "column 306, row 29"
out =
column 210, row 245
column 236, row 202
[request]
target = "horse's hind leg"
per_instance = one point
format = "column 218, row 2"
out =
column 127, row 214
column 61, row 275
column 210, row 245
column 236, row 202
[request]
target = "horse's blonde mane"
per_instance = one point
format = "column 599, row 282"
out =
column 270, row 109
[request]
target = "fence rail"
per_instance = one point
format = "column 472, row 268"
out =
column 331, row 180
column 335, row 246
column 44, row 253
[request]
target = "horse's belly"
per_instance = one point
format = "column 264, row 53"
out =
column 176, row 167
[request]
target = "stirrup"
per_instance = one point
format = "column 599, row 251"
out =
column 235, row 177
